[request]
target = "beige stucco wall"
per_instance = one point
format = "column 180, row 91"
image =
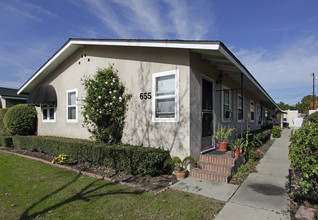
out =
column 135, row 68
column 291, row 114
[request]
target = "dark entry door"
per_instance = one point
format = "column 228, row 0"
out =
column 207, row 115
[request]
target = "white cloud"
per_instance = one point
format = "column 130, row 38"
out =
column 286, row 73
column 27, row 10
column 289, row 66
column 154, row 19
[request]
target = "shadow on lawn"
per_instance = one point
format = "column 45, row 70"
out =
column 84, row 194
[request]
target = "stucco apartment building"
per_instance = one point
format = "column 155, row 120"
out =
column 194, row 86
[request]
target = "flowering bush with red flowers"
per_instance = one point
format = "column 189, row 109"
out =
column 243, row 171
column 255, row 154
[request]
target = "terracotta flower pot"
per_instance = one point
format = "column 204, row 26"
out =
column 237, row 154
column 181, row 174
column 222, row 146
column 241, row 150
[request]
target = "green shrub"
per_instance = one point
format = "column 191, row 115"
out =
column 133, row 159
column 21, row 120
column 6, row 141
column 313, row 117
column 3, row 130
column 303, row 152
column 277, row 131
column 264, row 135
column 105, row 105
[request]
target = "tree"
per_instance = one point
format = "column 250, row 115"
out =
column 105, row 105
column 284, row 106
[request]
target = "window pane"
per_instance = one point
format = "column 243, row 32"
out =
column 165, row 108
column 226, row 110
column 51, row 113
column 44, row 112
column 226, row 97
column 71, row 98
column 252, row 116
column 165, row 85
column 239, row 101
column 252, row 107
column 240, row 114
column 207, row 88
column 71, row 112
column 207, row 124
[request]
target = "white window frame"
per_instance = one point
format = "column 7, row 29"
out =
column 176, row 96
column 230, row 103
column 253, row 111
column 47, row 107
column 239, row 95
column 67, row 106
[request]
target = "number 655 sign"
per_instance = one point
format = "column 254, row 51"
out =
column 145, row 95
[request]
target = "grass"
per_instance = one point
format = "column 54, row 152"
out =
column 31, row 189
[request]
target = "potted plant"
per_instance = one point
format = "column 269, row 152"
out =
column 238, row 147
column 222, row 135
column 180, row 166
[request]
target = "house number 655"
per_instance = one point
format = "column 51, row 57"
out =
column 145, row 95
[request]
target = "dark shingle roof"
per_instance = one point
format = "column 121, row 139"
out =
column 10, row 92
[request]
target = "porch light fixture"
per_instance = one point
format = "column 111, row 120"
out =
column 219, row 79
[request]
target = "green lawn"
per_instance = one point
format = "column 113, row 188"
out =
column 31, row 189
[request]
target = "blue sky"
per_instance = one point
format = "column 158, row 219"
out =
column 276, row 40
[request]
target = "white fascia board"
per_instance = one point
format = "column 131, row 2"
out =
column 13, row 97
column 230, row 57
column 163, row 44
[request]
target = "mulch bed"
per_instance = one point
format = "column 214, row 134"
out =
column 145, row 183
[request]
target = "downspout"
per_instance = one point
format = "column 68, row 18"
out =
column 242, row 100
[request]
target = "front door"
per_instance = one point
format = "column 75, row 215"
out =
column 207, row 115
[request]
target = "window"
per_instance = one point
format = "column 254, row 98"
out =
column 48, row 113
column 239, row 107
column 71, row 105
column 165, row 103
column 252, row 110
column 226, row 103
column 259, row 114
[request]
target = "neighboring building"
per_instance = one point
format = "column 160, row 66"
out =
column 312, row 111
column 9, row 97
column 206, row 83
column 292, row 119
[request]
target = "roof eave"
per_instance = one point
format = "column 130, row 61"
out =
column 73, row 44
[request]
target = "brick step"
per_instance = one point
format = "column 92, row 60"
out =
column 208, row 175
column 216, row 168
column 217, row 160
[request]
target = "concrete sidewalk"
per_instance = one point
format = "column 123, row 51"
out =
column 263, row 194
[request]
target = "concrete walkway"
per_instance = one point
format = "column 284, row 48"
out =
column 261, row 196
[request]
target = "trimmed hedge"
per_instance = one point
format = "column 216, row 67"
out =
column 21, row 120
column 277, row 131
column 133, row 159
column 6, row 141
column 3, row 130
